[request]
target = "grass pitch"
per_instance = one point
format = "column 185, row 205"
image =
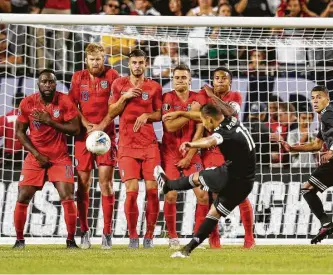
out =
column 230, row 259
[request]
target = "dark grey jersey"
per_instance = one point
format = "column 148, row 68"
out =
column 326, row 126
column 237, row 146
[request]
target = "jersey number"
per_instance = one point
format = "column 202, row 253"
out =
column 241, row 129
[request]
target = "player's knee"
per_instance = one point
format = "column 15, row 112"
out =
column 24, row 196
column 195, row 179
column 171, row 197
column 213, row 212
column 307, row 188
column 66, row 196
column 106, row 187
column 132, row 185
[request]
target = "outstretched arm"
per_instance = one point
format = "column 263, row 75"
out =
column 313, row 146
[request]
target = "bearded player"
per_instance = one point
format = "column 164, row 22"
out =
column 49, row 115
column 138, row 102
column 90, row 91
column 176, row 132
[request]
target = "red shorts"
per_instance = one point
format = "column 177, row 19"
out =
column 85, row 160
column 34, row 175
column 138, row 163
column 172, row 171
column 212, row 158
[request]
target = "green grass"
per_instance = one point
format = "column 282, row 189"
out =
column 229, row 259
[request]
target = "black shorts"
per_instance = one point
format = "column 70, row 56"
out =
column 322, row 177
column 231, row 191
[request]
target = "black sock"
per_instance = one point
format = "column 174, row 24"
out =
column 184, row 183
column 316, row 206
column 205, row 229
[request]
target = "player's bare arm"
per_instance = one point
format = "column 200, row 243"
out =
column 203, row 143
column 186, row 161
column 21, row 134
column 313, row 146
column 71, row 127
column 180, row 118
column 116, row 109
column 147, row 117
column 226, row 107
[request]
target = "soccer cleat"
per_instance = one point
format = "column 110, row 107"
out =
column 106, row 241
column 161, row 179
column 148, row 243
column 174, row 244
column 249, row 243
column 183, row 253
column 214, row 240
column 134, row 243
column 324, row 231
column 85, row 240
column 19, row 244
column 71, row 244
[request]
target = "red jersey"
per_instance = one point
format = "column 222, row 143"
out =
column 58, row 5
column 47, row 140
column 92, row 95
column 172, row 141
column 234, row 98
column 7, row 130
column 150, row 101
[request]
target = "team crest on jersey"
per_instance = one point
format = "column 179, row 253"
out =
column 188, row 107
column 104, row 84
column 19, row 112
column 145, row 95
column 166, row 107
column 198, row 166
column 84, row 95
column 56, row 113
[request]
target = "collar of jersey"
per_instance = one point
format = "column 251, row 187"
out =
column 323, row 110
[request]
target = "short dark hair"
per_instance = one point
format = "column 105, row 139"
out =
column 286, row 107
column 223, row 69
column 211, row 110
column 320, row 88
column 137, row 53
column 182, row 67
column 47, row 71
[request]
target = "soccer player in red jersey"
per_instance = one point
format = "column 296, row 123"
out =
column 230, row 102
column 138, row 102
column 90, row 91
column 49, row 115
column 176, row 132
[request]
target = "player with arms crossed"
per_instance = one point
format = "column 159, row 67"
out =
column 49, row 115
column 138, row 102
column 321, row 178
column 232, row 181
column 90, row 91
column 176, row 132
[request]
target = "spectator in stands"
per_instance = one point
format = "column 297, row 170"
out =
column 254, row 8
column 300, row 136
column 12, row 147
column 45, row 57
column 259, row 132
column 323, row 8
column 294, row 8
column 238, row 6
column 257, row 61
column 145, row 7
column 5, row 6
column 176, row 7
column 169, row 58
column 204, row 8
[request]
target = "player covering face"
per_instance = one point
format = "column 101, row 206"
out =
column 321, row 178
column 49, row 115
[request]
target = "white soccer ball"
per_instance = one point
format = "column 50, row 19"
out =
column 98, row 143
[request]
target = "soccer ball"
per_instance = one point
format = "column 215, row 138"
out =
column 98, row 143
